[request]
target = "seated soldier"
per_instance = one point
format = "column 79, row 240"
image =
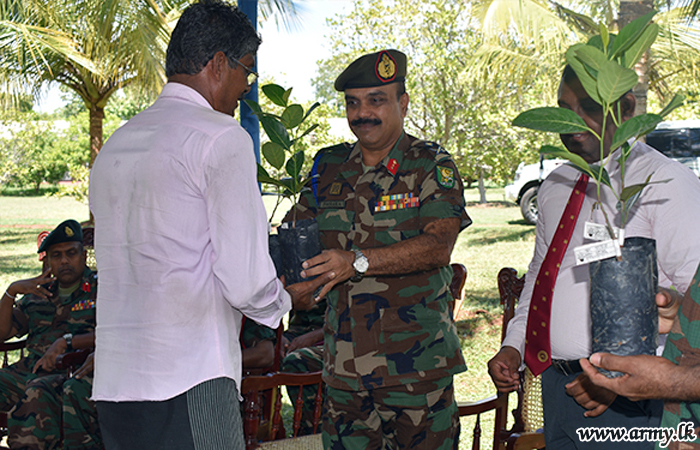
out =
column 303, row 347
column 258, row 345
column 57, row 312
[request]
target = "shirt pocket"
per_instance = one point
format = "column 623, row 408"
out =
column 396, row 225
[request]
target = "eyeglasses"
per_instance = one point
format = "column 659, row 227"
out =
column 252, row 76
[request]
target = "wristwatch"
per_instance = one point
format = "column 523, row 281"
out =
column 360, row 265
column 69, row 340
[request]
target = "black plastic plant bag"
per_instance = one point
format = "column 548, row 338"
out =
column 298, row 241
column 624, row 316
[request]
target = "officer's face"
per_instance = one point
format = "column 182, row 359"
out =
column 67, row 261
column 375, row 115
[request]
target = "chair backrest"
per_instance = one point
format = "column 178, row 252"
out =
column 509, row 287
column 459, row 278
column 252, row 388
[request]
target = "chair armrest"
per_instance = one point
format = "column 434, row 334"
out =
column 13, row 345
column 72, row 360
column 487, row 404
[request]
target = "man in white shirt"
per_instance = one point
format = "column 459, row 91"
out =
column 666, row 212
column 181, row 244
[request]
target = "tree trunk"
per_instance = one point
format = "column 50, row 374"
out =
column 629, row 11
column 97, row 116
column 482, row 188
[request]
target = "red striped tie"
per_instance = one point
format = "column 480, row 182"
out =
column 537, row 346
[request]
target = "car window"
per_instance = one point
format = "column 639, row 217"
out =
column 680, row 143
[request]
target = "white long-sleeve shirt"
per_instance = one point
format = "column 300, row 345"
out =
column 181, row 245
column 667, row 212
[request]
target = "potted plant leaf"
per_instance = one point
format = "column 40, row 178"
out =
column 623, row 271
column 295, row 241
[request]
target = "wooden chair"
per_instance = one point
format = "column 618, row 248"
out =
column 252, row 388
column 524, row 434
column 459, row 278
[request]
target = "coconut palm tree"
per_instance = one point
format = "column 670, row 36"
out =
column 92, row 47
column 526, row 39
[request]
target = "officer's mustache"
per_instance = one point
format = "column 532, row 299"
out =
column 358, row 122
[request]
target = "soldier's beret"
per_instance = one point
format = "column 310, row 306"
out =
column 68, row 231
column 374, row 69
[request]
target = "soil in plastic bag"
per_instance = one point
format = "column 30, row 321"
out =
column 624, row 316
column 298, row 241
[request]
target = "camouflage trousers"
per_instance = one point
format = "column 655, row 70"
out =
column 304, row 360
column 40, row 405
column 413, row 416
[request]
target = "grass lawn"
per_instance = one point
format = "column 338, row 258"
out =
column 498, row 238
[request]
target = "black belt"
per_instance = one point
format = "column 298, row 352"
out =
column 565, row 367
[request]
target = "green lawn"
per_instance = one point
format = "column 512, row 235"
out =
column 497, row 238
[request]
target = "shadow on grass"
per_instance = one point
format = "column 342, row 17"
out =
column 513, row 236
column 27, row 192
column 17, row 235
column 522, row 222
column 490, row 204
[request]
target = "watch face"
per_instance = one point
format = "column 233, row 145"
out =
column 361, row 264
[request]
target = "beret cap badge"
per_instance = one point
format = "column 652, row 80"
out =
column 385, row 67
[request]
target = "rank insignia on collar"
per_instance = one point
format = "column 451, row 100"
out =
column 335, row 188
column 86, row 287
column 445, row 177
column 392, row 166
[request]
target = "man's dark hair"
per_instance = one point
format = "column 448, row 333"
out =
column 204, row 29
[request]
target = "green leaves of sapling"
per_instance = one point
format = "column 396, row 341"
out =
column 635, row 126
column 552, row 119
column 273, row 154
column 277, row 94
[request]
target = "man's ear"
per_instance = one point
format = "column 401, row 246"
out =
column 217, row 63
column 403, row 102
column 628, row 102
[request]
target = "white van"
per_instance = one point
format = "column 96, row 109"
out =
column 679, row 140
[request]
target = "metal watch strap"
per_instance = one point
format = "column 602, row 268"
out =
column 69, row 340
column 359, row 256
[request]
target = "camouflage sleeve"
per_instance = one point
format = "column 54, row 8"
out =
column 20, row 321
column 253, row 333
column 442, row 193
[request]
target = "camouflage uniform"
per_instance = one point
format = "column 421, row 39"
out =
column 682, row 348
column 305, row 360
column 252, row 333
column 390, row 338
column 34, row 400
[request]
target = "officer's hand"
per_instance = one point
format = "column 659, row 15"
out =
column 503, row 369
column 87, row 368
column 302, row 293
column 336, row 261
column 594, row 398
column 32, row 285
column 48, row 361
